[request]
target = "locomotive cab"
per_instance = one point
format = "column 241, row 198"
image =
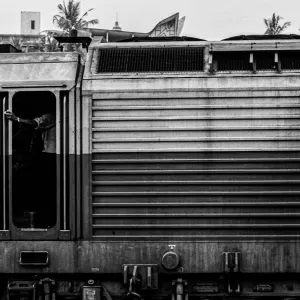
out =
column 38, row 145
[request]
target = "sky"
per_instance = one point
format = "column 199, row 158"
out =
column 209, row 19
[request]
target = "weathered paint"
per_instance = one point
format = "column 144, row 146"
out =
column 208, row 159
column 108, row 257
column 56, row 73
column 146, row 183
column 30, row 69
column 62, row 256
column 161, row 155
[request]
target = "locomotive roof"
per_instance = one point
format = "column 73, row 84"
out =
column 257, row 37
column 161, row 39
column 34, row 69
column 158, row 56
column 247, row 44
column 263, row 37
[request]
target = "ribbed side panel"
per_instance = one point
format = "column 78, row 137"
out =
column 194, row 167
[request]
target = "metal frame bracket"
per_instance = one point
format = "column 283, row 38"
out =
column 141, row 276
column 231, row 268
column 64, row 235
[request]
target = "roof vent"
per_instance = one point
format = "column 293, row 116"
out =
column 150, row 60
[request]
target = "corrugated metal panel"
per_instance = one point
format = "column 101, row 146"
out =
column 126, row 60
column 195, row 167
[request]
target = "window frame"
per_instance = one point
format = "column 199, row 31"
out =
column 59, row 231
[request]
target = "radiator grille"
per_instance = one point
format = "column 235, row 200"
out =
column 124, row 60
column 185, row 167
column 233, row 61
column 290, row 60
column 265, row 61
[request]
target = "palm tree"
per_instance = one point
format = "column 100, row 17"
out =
column 273, row 26
column 69, row 17
column 16, row 42
column 50, row 44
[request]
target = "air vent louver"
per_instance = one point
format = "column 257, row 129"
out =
column 290, row 60
column 233, row 61
column 142, row 60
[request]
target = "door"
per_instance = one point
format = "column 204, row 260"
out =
column 37, row 175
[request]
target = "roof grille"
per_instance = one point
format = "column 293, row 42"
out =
column 265, row 61
column 290, row 60
column 233, row 61
column 142, row 60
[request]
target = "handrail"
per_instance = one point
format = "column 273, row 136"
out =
column 4, row 162
column 65, row 163
column 33, row 86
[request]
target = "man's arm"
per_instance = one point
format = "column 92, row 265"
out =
column 11, row 116
column 46, row 121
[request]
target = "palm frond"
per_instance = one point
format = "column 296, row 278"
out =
column 273, row 25
column 86, row 13
column 16, row 42
column 68, row 17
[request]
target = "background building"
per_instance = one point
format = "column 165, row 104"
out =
column 30, row 22
column 169, row 27
column 33, row 39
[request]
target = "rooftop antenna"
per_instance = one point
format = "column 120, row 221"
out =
column 117, row 27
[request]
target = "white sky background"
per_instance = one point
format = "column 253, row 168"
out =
column 207, row 19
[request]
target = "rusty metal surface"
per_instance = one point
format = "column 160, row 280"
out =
column 207, row 162
column 196, row 257
column 33, row 70
column 62, row 256
column 148, row 151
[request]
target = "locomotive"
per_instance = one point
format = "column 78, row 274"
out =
column 177, row 172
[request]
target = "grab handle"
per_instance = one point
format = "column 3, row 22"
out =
column 4, row 162
column 65, row 163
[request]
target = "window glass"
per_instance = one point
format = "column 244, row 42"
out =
column 34, row 160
